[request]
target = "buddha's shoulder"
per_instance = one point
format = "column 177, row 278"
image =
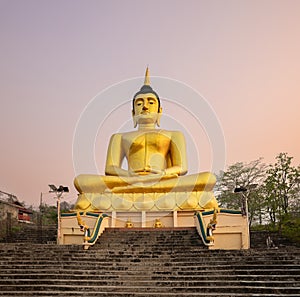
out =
column 171, row 133
column 123, row 135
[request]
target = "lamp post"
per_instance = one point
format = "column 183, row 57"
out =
column 242, row 190
column 58, row 192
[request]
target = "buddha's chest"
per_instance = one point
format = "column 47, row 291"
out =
column 151, row 142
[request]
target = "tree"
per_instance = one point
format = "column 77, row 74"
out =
column 282, row 188
column 66, row 206
column 49, row 214
column 249, row 176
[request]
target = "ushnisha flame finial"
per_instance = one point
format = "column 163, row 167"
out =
column 147, row 77
column 146, row 88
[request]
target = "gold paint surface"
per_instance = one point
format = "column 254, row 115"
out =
column 157, row 163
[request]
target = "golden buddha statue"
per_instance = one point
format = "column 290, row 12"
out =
column 157, row 165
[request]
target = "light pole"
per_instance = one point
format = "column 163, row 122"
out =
column 242, row 190
column 58, row 192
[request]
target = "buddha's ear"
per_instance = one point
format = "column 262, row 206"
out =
column 134, row 119
column 159, row 116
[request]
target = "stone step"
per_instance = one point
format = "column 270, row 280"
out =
column 142, row 235
column 147, row 268
column 157, row 289
column 135, row 283
column 275, row 279
column 5, row 248
column 120, row 271
column 136, row 294
column 86, row 275
column 127, row 249
column 259, row 239
column 188, row 256
column 132, row 244
column 147, row 263
column 61, row 251
column 33, row 233
column 150, row 260
column 33, row 250
column 147, row 257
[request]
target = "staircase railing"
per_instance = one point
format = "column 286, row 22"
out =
column 89, row 239
column 206, row 231
column 202, row 230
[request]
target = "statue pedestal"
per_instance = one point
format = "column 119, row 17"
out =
column 154, row 202
column 147, row 219
column 231, row 230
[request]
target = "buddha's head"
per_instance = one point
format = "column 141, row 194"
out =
column 146, row 107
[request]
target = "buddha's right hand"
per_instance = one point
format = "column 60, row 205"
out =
column 147, row 171
column 144, row 179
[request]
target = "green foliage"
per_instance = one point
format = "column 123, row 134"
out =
column 49, row 214
column 261, row 227
column 249, row 176
column 281, row 188
column 272, row 194
column 290, row 227
column 15, row 229
column 66, row 207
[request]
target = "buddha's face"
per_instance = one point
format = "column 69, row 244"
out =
column 146, row 109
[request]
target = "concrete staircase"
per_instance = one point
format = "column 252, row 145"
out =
column 259, row 239
column 144, row 262
column 32, row 234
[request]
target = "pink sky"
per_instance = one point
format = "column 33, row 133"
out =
column 242, row 56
